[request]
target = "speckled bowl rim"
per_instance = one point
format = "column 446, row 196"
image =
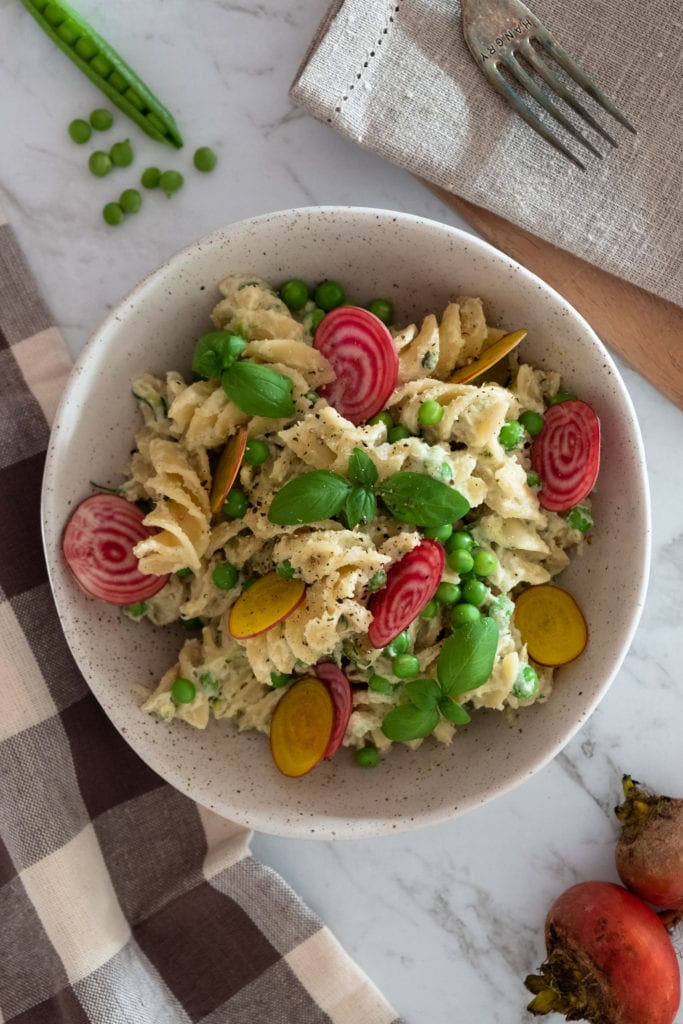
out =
column 345, row 827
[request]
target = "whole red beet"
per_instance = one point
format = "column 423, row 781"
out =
column 649, row 853
column 610, row 960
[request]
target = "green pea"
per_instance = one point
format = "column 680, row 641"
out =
column 295, row 294
column 137, row 610
column 205, row 159
column 580, row 518
column 135, row 99
column 526, row 684
column 533, row 479
column 399, row 645
column 463, row 613
column 184, row 574
column 398, row 433
column 460, row 541
column 156, row 123
column 224, row 576
column 285, row 569
column 256, row 452
column 279, row 679
column 532, row 422
column 446, row 471
column 475, row 592
column 101, row 120
column 448, row 593
column 183, row 691
column 121, row 154
column 377, row 581
column 367, row 757
column 69, row 32
column 54, row 15
column 511, row 435
column 130, row 200
column 430, row 413
column 170, row 182
column 460, row 561
column 79, row 130
column 405, row 666
column 113, row 213
column 430, row 610
column 380, row 684
column 85, row 48
column 195, row 623
column 101, row 66
column 485, row 563
column 440, row 533
column 382, row 417
column 383, row 310
column 329, row 294
column 117, row 81
column 99, row 163
column 236, row 503
column 561, row 396
column 316, row 316
column 150, row 177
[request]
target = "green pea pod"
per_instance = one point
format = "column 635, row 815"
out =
column 103, row 66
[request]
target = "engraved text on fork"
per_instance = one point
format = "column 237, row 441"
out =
column 508, row 36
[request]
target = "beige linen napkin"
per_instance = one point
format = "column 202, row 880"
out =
column 121, row 900
column 396, row 76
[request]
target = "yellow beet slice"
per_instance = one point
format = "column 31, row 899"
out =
column 227, row 468
column 301, row 727
column 267, row 602
column 551, row 624
column 489, row 358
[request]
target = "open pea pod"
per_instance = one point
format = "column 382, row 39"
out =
column 103, row 66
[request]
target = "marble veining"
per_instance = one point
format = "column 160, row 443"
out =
column 447, row 921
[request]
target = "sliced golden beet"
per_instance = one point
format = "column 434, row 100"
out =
column 301, row 727
column 551, row 624
column 267, row 602
column 489, row 358
column 227, row 468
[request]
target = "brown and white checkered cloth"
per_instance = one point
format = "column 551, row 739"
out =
column 121, row 901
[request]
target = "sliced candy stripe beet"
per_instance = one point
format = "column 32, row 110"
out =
column 342, row 699
column 362, row 353
column 566, row 455
column 411, row 584
column 98, row 546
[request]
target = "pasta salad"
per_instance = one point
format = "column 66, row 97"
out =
column 359, row 528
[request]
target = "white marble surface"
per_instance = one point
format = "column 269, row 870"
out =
column 446, row 921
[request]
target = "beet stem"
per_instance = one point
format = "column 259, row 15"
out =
column 564, row 987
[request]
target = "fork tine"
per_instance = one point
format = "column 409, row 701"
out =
column 525, row 79
column 508, row 93
column 566, row 94
column 580, row 76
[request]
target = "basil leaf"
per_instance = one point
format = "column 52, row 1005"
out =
column 215, row 352
column 467, row 657
column 453, row 712
column 408, row 722
column 362, row 470
column 309, row 498
column 421, row 500
column 258, row 390
column 360, row 506
column 424, row 693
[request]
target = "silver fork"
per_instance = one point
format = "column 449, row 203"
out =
column 499, row 32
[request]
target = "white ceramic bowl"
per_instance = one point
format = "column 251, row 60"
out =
column 419, row 264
